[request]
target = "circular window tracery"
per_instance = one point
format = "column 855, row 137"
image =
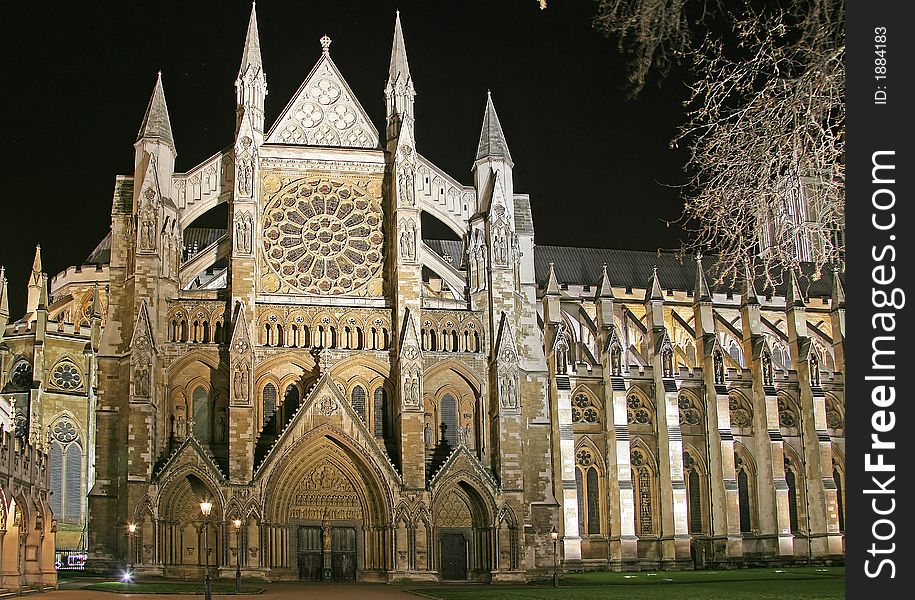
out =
column 64, row 431
column 21, row 377
column 67, row 376
column 322, row 236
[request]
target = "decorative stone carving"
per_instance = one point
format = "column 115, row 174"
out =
column 244, row 230
column 718, row 361
column 327, row 406
column 240, row 383
column 408, row 240
column 245, row 168
column 148, row 220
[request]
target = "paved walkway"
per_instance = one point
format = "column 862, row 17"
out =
column 272, row 591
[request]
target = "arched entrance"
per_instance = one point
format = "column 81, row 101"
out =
column 327, row 516
column 187, row 543
column 464, row 534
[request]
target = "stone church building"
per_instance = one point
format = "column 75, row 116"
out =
column 374, row 405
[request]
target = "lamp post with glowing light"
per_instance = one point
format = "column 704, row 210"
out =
column 236, row 523
column 555, row 535
column 131, row 545
column 205, row 507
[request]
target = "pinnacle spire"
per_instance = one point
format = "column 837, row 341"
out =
column 748, row 294
column 156, row 124
column 400, row 68
column 96, row 307
column 604, row 290
column 838, row 290
column 654, row 287
column 4, row 294
column 793, row 296
column 251, row 56
column 35, row 277
column 43, row 296
column 702, row 292
column 492, row 140
column 552, row 286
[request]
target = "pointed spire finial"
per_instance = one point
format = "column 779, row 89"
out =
column 838, row 290
column 325, row 45
column 702, row 292
column 492, row 139
column 604, row 290
column 43, row 297
column 251, row 56
column 793, row 296
column 748, row 294
column 552, row 286
column 156, row 123
column 96, row 308
column 4, row 294
column 654, row 287
column 399, row 70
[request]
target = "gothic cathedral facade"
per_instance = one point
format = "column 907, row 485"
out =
column 360, row 402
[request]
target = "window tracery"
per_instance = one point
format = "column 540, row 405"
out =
column 740, row 410
column 67, row 376
column 21, row 375
column 322, row 236
column 584, row 410
column 689, row 411
column 637, row 410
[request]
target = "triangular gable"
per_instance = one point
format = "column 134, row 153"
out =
column 462, row 459
column 324, row 112
column 190, row 452
column 506, row 350
column 241, row 339
column 325, row 405
column 142, row 329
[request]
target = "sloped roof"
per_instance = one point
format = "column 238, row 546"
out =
column 524, row 221
column 156, row 123
column 102, row 253
column 633, row 268
column 492, row 140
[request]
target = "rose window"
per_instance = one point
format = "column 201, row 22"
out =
column 322, row 236
column 21, row 377
column 64, row 432
column 67, row 376
column 584, row 458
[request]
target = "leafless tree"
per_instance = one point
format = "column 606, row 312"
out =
column 765, row 122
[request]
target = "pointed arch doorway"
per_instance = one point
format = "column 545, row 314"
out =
column 329, row 518
column 464, row 534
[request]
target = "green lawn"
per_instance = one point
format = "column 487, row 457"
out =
column 808, row 583
column 169, row 587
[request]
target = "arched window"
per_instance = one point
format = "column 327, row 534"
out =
column 73, row 483
column 593, row 501
column 791, row 480
column 269, row 400
column 644, row 493
column 449, row 419
column 57, row 489
column 743, row 498
column 695, row 502
column 735, row 352
column 379, row 410
column 840, row 499
column 66, row 457
column 201, row 410
column 358, row 401
column 290, row 402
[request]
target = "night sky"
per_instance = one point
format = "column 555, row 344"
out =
column 78, row 76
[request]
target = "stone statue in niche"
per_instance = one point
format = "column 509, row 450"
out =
column 406, row 187
column 814, row 370
column 241, row 383
column 667, row 366
column 767, row 368
column 148, row 220
column 243, row 233
column 245, row 167
column 141, row 380
column 408, row 242
column 427, row 435
column 220, row 433
column 615, row 363
column 718, row 360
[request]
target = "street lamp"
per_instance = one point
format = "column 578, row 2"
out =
column 236, row 523
column 131, row 531
column 205, row 507
column 555, row 535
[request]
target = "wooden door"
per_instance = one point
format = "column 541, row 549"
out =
column 454, row 557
